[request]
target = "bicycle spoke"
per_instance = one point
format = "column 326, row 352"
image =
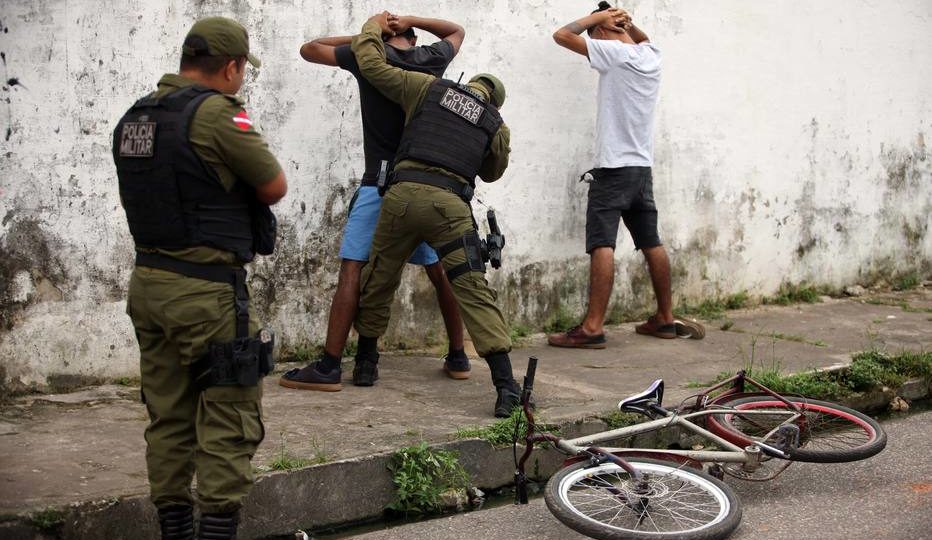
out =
column 827, row 432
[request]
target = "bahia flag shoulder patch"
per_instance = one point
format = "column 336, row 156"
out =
column 242, row 120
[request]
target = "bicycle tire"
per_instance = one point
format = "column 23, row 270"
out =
column 681, row 503
column 831, row 433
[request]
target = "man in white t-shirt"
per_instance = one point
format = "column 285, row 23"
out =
column 621, row 188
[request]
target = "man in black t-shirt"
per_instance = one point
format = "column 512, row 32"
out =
column 382, row 123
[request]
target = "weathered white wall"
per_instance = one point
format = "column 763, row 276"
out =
column 790, row 147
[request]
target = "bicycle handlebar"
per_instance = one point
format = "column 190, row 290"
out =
column 528, row 385
column 521, row 496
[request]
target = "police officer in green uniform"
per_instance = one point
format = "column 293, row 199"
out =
column 195, row 181
column 452, row 134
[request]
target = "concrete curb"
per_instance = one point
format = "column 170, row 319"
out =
column 344, row 492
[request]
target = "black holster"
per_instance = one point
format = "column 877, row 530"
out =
column 241, row 362
column 472, row 245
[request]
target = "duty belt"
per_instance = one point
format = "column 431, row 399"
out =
column 235, row 276
column 464, row 191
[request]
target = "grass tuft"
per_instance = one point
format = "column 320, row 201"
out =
column 715, row 308
column 794, row 294
column 422, row 475
column 907, row 282
column 868, row 370
column 518, row 333
column 560, row 321
column 48, row 520
column 618, row 419
column 284, row 461
column 502, row 432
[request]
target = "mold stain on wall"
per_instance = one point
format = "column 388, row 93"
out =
column 30, row 269
column 908, row 174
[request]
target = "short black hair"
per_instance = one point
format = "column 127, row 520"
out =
column 202, row 61
column 409, row 33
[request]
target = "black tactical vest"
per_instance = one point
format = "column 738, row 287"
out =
column 172, row 198
column 452, row 129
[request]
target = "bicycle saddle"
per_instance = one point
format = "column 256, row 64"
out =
column 639, row 403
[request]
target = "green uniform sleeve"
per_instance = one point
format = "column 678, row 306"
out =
column 497, row 161
column 223, row 135
column 406, row 88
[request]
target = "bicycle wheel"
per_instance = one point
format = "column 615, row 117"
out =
column 829, row 433
column 606, row 502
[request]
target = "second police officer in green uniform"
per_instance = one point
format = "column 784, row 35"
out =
column 195, row 179
column 453, row 133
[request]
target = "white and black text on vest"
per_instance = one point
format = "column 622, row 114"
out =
column 137, row 140
column 463, row 105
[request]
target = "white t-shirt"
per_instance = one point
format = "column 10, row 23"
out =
column 629, row 81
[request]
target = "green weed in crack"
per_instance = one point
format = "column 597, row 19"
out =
column 501, row 433
column 422, row 475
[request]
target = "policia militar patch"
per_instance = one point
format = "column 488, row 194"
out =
column 137, row 140
column 463, row 105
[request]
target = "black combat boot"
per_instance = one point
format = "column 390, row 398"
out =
column 506, row 399
column 177, row 522
column 218, row 526
column 507, row 391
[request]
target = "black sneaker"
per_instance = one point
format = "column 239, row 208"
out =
column 313, row 377
column 507, row 398
column 366, row 371
column 456, row 365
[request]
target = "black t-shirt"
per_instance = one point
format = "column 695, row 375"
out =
column 382, row 119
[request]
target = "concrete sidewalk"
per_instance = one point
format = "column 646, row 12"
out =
column 85, row 451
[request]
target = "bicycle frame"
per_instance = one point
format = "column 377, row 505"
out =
column 731, row 454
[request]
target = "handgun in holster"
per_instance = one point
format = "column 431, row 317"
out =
column 494, row 242
column 385, row 177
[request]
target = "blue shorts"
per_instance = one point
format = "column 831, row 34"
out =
column 360, row 228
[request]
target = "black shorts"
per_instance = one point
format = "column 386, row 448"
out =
column 626, row 193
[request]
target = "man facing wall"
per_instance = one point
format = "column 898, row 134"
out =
column 621, row 184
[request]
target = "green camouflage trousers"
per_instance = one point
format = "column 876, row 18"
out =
column 213, row 433
column 414, row 213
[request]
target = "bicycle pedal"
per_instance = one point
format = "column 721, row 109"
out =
column 787, row 437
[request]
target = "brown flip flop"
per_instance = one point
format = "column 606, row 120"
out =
column 689, row 329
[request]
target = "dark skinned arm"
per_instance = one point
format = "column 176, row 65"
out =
column 321, row 50
column 637, row 34
column 447, row 30
column 405, row 88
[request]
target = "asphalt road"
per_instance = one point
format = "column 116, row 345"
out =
column 887, row 497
